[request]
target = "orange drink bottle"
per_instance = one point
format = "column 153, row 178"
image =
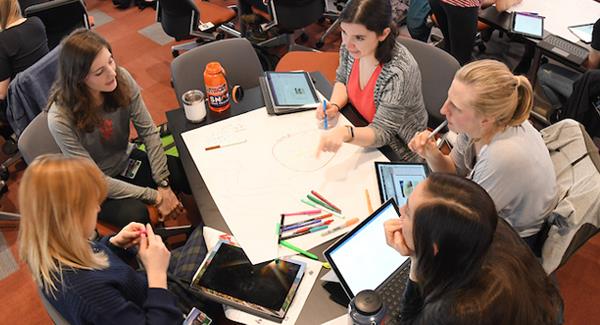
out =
column 217, row 90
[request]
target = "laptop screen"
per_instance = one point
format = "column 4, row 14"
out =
column 362, row 259
column 398, row 179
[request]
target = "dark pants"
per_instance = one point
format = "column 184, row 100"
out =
column 245, row 6
column 536, row 242
column 123, row 211
column 459, row 26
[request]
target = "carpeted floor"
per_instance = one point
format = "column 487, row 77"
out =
column 141, row 46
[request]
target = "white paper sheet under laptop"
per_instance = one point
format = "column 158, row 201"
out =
column 362, row 259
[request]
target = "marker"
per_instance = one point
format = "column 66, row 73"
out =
column 325, row 200
column 437, row 130
column 310, row 231
column 368, row 198
column 299, row 250
column 312, row 204
column 325, row 113
column 224, row 145
column 300, row 225
column 340, row 227
column 325, row 216
column 325, row 223
column 316, row 211
column 321, row 203
column 279, row 225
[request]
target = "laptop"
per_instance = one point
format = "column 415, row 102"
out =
column 361, row 259
column 564, row 48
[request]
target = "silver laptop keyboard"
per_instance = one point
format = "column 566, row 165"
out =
column 566, row 46
column 392, row 291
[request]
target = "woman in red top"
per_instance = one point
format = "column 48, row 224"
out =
column 380, row 78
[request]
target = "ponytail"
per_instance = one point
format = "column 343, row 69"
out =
column 498, row 93
column 524, row 101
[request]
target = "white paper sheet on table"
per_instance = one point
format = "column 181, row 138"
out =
column 251, row 187
column 342, row 320
column 561, row 14
column 212, row 237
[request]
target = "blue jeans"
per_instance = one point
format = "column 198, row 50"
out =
column 416, row 20
column 557, row 83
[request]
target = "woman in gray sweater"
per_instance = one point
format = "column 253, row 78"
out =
column 380, row 78
column 91, row 108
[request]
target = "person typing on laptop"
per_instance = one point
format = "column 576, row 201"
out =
column 468, row 266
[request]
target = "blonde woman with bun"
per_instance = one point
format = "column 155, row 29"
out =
column 497, row 147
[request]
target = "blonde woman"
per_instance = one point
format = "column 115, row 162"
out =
column 22, row 42
column 91, row 282
column 497, row 147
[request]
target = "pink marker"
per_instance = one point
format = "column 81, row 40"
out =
column 309, row 212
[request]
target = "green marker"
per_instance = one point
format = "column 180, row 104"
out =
column 312, row 204
column 321, row 203
column 299, row 250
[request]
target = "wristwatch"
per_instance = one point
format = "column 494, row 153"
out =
column 164, row 183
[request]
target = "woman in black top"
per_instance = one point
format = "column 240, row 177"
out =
column 467, row 266
column 22, row 42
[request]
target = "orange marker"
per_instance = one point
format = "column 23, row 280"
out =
column 340, row 227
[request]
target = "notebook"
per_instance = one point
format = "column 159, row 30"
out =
column 361, row 260
column 398, row 179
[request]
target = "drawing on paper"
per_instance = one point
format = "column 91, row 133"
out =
column 298, row 151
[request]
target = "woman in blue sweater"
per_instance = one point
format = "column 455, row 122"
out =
column 91, row 282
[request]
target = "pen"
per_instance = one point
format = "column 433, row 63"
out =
column 325, row 216
column 325, row 200
column 321, row 203
column 317, row 211
column 217, row 146
column 325, row 223
column 299, row 250
column 325, row 113
column 368, row 198
column 437, row 130
column 299, row 225
column 340, row 227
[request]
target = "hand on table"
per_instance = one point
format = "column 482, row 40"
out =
column 332, row 140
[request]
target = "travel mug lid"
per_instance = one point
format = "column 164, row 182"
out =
column 192, row 96
column 368, row 302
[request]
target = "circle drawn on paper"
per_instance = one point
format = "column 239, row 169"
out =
column 298, row 151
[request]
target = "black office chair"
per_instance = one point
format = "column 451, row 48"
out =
column 289, row 16
column 187, row 19
column 60, row 17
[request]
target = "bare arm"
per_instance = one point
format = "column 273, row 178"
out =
column 4, row 88
column 593, row 60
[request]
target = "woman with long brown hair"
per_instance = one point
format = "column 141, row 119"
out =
column 93, row 103
column 467, row 265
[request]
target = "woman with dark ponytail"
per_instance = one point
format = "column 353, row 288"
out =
column 497, row 147
column 380, row 78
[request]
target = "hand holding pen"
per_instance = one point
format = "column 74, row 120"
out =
column 331, row 110
column 423, row 143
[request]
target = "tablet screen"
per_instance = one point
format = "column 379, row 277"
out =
column 528, row 24
column 292, row 89
column 228, row 272
column 583, row 32
column 398, row 180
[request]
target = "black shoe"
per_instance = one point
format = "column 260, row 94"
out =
column 10, row 147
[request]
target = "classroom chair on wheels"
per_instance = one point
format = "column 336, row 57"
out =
column 437, row 72
column 60, row 17
column 187, row 19
column 236, row 55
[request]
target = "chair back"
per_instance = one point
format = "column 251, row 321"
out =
column 37, row 140
column 296, row 14
column 175, row 17
column 60, row 17
column 236, row 55
column 437, row 72
column 56, row 317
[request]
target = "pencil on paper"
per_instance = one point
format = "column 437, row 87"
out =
column 340, row 227
column 437, row 130
column 217, row 146
column 368, row 198
column 320, row 197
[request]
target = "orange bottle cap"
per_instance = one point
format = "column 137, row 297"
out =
column 213, row 67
